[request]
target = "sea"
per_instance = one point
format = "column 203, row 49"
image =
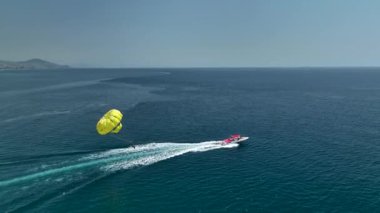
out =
column 314, row 140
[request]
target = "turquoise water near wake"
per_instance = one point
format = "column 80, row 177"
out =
column 314, row 140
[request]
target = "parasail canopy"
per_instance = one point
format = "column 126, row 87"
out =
column 110, row 122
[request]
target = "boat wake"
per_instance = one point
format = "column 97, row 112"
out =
column 49, row 180
column 36, row 115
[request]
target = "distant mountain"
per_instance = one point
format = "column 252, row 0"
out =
column 30, row 64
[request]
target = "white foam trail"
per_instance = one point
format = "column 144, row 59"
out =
column 173, row 151
column 119, row 159
column 36, row 115
column 54, row 87
column 137, row 148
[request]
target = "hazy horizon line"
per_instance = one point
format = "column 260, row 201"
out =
column 219, row 67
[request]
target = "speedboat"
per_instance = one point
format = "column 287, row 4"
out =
column 234, row 139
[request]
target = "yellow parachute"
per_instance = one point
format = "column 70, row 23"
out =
column 110, row 122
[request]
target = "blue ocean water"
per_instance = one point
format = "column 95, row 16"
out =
column 314, row 140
